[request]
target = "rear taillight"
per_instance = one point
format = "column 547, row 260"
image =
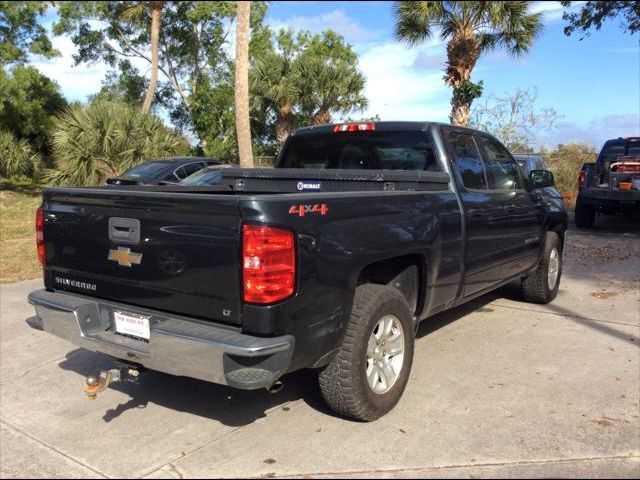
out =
column 581, row 177
column 42, row 254
column 269, row 264
column 355, row 127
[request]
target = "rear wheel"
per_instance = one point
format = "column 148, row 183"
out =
column 369, row 373
column 541, row 285
column 585, row 215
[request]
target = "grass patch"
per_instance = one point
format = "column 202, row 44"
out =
column 18, row 202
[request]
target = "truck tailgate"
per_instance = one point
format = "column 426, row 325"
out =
column 176, row 252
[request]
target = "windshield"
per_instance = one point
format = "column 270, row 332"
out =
column 147, row 170
column 360, row 150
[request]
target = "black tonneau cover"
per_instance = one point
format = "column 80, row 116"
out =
column 290, row 180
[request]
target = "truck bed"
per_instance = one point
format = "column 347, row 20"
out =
column 189, row 238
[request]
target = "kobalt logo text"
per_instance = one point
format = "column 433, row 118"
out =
column 308, row 186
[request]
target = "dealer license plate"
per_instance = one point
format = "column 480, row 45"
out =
column 132, row 324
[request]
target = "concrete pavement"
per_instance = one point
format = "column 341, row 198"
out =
column 499, row 388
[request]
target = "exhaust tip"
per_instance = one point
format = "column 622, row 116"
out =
column 275, row 387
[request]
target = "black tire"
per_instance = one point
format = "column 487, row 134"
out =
column 343, row 382
column 535, row 287
column 585, row 215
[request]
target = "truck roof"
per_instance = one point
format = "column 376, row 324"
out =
column 382, row 125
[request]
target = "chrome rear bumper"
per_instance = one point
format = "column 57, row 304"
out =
column 177, row 345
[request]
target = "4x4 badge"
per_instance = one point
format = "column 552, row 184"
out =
column 125, row 257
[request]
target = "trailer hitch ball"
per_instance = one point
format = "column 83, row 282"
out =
column 95, row 385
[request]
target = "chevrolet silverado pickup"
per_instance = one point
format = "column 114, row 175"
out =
column 328, row 261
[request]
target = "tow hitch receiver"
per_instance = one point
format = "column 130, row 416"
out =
column 95, row 385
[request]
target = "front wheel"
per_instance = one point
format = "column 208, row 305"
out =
column 541, row 285
column 369, row 373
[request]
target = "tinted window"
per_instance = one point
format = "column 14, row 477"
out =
column 502, row 171
column 192, row 168
column 180, row 173
column 633, row 148
column 147, row 170
column 204, row 177
column 466, row 160
column 360, row 150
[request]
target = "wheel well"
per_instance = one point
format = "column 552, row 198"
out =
column 560, row 228
column 406, row 273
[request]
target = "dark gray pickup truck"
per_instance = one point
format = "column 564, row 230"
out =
column 611, row 185
column 329, row 261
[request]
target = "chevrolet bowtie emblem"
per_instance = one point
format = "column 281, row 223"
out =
column 125, row 257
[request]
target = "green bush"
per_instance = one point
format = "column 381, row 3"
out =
column 95, row 142
column 17, row 157
column 565, row 162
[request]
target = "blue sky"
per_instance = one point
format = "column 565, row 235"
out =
column 594, row 84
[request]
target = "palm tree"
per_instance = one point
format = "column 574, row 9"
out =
column 470, row 29
column 276, row 80
column 156, row 13
column 331, row 87
column 104, row 138
column 243, row 128
column 137, row 11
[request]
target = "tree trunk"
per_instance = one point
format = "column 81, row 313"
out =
column 321, row 117
column 243, row 128
column 460, row 112
column 284, row 124
column 156, row 13
column 463, row 51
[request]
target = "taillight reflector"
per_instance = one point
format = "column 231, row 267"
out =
column 42, row 253
column 581, row 177
column 268, row 264
column 354, row 127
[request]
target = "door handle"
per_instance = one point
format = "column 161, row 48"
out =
column 476, row 212
column 511, row 208
column 124, row 230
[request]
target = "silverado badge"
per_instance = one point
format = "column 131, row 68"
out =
column 125, row 257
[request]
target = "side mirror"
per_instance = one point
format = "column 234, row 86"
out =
column 541, row 178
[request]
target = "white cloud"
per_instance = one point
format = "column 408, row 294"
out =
column 77, row 82
column 595, row 131
column 552, row 11
column 397, row 90
column 336, row 20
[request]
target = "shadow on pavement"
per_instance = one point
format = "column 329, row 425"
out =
column 229, row 406
column 237, row 408
column 26, row 188
column 606, row 224
column 513, row 292
column 594, row 324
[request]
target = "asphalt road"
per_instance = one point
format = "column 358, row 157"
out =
column 499, row 388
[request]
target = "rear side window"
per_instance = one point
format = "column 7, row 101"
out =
column 147, row 170
column 502, row 170
column 192, row 168
column 633, row 148
column 466, row 160
column 375, row 150
column 188, row 169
